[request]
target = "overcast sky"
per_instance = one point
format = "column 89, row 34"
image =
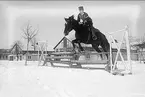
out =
column 48, row 16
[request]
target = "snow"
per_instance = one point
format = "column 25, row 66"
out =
column 17, row 80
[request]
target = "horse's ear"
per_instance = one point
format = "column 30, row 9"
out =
column 66, row 19
column 72, row 16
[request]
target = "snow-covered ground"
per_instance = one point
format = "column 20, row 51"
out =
column 17, row 80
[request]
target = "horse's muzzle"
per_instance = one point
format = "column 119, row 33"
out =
column 65, row 34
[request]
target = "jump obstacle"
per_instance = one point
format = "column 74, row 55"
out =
column 127, row 64
column 71, row 58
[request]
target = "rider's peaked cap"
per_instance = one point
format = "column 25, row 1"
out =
column 81, row 8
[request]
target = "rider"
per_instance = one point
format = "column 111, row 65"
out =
column 83, row 18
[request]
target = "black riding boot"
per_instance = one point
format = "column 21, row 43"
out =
column 93, row 34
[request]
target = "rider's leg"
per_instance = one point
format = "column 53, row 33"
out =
column 93, row 34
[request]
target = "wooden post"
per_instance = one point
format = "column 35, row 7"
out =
column 38, row 55
column 128, row 48
column 64, row 44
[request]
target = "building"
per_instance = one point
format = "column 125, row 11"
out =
column 4, row 54
column 33, row 55
column 17, row 54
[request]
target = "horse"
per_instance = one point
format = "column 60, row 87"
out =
column 83, row 35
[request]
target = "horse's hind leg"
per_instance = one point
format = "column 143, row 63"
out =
column 106, row 48
column 95, row 46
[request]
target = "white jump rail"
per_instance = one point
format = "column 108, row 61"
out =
column 128, row 65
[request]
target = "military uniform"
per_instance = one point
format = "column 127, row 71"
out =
column 82, row 17
column 87, row 21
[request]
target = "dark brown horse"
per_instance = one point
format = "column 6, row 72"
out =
column 83, row 35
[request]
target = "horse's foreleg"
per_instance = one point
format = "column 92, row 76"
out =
column 80, row 46
column 73, row 43
column 74, row 46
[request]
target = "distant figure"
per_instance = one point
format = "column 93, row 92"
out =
column 84, row 19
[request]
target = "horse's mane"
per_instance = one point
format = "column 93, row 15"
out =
column 73, row 19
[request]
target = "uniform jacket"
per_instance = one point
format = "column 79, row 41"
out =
column 86, row 19
column 83, row 17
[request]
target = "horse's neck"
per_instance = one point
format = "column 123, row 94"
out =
column 82, row 32
column 81, row 29
column 77, row 27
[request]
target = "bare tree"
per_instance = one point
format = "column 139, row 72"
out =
column 17, row 48
column 19, row 43
column 34, row 43
column 29, row 34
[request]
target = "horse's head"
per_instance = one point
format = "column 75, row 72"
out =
column 69, row 25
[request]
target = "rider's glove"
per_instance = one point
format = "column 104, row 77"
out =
column 80, row 23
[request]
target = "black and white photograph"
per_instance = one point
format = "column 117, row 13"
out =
column 72, row 48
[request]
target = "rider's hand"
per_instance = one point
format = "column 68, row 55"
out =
column 85, row 21
column 81, row 20
column 80, row 23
